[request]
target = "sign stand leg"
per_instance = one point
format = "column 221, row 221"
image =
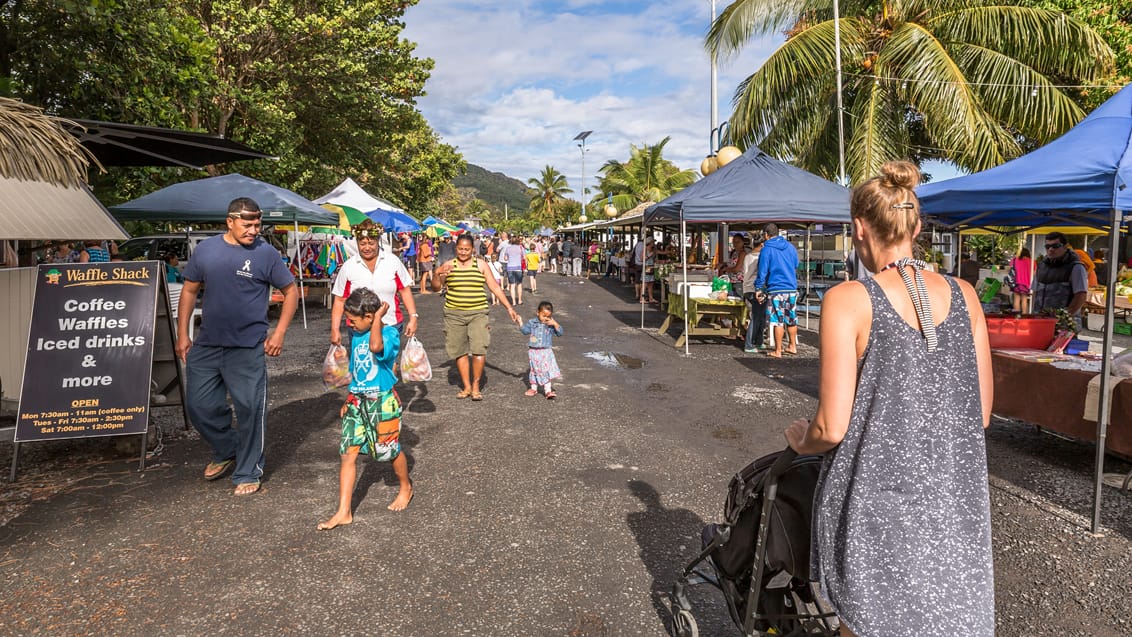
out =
column 15, row 461
column 144, row 444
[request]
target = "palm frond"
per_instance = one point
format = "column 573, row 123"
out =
column 1050, row 42
column 744, row 19
column 34, row 147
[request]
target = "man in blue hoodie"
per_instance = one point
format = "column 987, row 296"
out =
column 778, row 280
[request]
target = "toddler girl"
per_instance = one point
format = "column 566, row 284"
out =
column 544, row 368
column 496, row 268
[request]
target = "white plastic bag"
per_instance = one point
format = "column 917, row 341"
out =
column 336, row 367
column 414, row 362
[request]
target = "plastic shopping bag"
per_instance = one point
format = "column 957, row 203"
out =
column 336, row 367
column 414, row 362
column 720, row 283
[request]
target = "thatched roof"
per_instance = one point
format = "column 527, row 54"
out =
column 639, row 209
column 35, row 147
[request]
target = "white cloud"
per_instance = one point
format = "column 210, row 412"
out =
column 515, row 81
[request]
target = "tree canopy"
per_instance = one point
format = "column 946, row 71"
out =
column 646, row 176
column 327, row 86
column 967, row 81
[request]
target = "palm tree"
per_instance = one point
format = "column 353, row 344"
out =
column 550, row 188
column 647, row 176
column 968, row 81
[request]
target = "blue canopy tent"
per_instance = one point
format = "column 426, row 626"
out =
column 754, row 188
column 206, row 201
column 394, row 221
column 1080, row 178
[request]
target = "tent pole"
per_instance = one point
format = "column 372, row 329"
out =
column 809, row 255
column 1106, row 364
column 641, row 274
column 299, row 261
column 684, row 264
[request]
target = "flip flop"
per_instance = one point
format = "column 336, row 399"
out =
column 215, row 470
column 464, row 393
column 476, row 396
column 246, row 488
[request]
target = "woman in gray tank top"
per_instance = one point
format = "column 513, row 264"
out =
column 901, row 541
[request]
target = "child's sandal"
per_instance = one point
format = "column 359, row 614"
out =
column 531, row 392
column 551, row 395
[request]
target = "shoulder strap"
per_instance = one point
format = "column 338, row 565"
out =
column 918, row 291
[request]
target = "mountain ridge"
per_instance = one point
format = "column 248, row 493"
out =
column 493, row 188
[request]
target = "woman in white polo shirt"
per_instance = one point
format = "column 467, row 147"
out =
column 379, row 271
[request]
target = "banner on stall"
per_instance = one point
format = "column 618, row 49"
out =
column 89, row 360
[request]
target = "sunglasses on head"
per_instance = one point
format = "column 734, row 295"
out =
column 246, row 215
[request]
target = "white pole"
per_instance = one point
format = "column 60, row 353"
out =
column 714, row 84
column 299, row 261
column 809, row 256
column 840, row 105
column 684, row 264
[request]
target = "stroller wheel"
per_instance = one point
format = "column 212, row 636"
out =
column 684, row 624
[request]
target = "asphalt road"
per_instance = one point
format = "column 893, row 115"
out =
column 531, row 517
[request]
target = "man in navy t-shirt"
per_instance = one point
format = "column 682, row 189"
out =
column 227, row 358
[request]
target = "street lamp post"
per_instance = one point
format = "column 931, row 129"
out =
column 581, row 139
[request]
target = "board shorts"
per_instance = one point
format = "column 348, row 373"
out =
column 372, row 423
column 465, row 332
column 780, row 310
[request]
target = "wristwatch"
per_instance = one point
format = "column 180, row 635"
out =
column 414, row 315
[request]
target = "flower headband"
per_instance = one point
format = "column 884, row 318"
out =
column 368, row 231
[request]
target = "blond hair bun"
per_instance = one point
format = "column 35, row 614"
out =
column 900, row 174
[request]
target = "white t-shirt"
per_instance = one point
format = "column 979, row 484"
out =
column 750, row 271
column 388, row 277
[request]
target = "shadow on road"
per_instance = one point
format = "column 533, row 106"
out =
column 663, row 536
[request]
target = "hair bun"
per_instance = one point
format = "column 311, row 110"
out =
column 900, row 174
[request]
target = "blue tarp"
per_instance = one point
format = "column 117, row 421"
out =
column 206, row 200
column 1077, row 179
column 755, row 188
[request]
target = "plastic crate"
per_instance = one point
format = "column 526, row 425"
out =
column 1009, row 332
column 1122, row 328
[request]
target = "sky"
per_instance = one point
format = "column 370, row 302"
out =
column 515, row 81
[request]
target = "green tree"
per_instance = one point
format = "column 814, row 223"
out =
column 646, row 176
column 327, row 86
column 549, row 191
column 967, row 81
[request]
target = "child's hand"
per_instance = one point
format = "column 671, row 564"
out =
column 381, row 311
column 553, row 323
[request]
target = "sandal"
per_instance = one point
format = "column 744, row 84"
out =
column 550, row 395
column 216, row 469
column 246, row 488
column 464, row 393
column 476, row 395
column 531, row 392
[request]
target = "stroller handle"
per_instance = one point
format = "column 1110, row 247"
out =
column 781, row 464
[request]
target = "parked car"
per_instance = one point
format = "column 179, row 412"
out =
column 155, row 247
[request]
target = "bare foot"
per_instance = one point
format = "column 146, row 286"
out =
column 246, row 488
column 339, row 519
column 404, row 497
column 791, row 351
column 774, row 354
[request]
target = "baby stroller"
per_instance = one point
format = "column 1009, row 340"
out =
column 760, row 555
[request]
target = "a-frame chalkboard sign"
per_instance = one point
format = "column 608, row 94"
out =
column 100, row 353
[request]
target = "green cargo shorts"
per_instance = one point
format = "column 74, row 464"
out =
column 465, row 332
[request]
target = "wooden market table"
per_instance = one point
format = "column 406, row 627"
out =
column 1054, row 399
column 699, row 309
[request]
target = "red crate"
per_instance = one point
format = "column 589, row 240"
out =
column 1027, row 332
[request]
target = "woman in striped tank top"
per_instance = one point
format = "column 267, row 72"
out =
column 466, row 312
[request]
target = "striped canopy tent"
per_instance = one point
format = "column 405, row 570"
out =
column 347, row 216
column 437, row 228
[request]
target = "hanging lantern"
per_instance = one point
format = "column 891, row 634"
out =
column 582, row 218
column 727, row 154
column 610, row 210
column 708, row 165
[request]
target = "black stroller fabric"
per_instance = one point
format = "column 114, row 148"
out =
column 787, row 540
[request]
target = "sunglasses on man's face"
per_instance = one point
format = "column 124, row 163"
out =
column 1054, row 246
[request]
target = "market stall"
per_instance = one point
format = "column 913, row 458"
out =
column 753, row 189
column 694, row 310
column 1080, row 179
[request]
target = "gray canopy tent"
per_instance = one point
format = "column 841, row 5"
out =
column 206, row 201
column 754, row 188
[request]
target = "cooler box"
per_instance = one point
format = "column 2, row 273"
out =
column 696, row 290
column 1009, row 332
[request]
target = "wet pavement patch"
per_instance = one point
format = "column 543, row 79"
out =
column 615, row 360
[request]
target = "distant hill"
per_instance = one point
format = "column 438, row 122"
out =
column 495, row 189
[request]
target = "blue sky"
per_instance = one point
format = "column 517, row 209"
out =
column 515, row 81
